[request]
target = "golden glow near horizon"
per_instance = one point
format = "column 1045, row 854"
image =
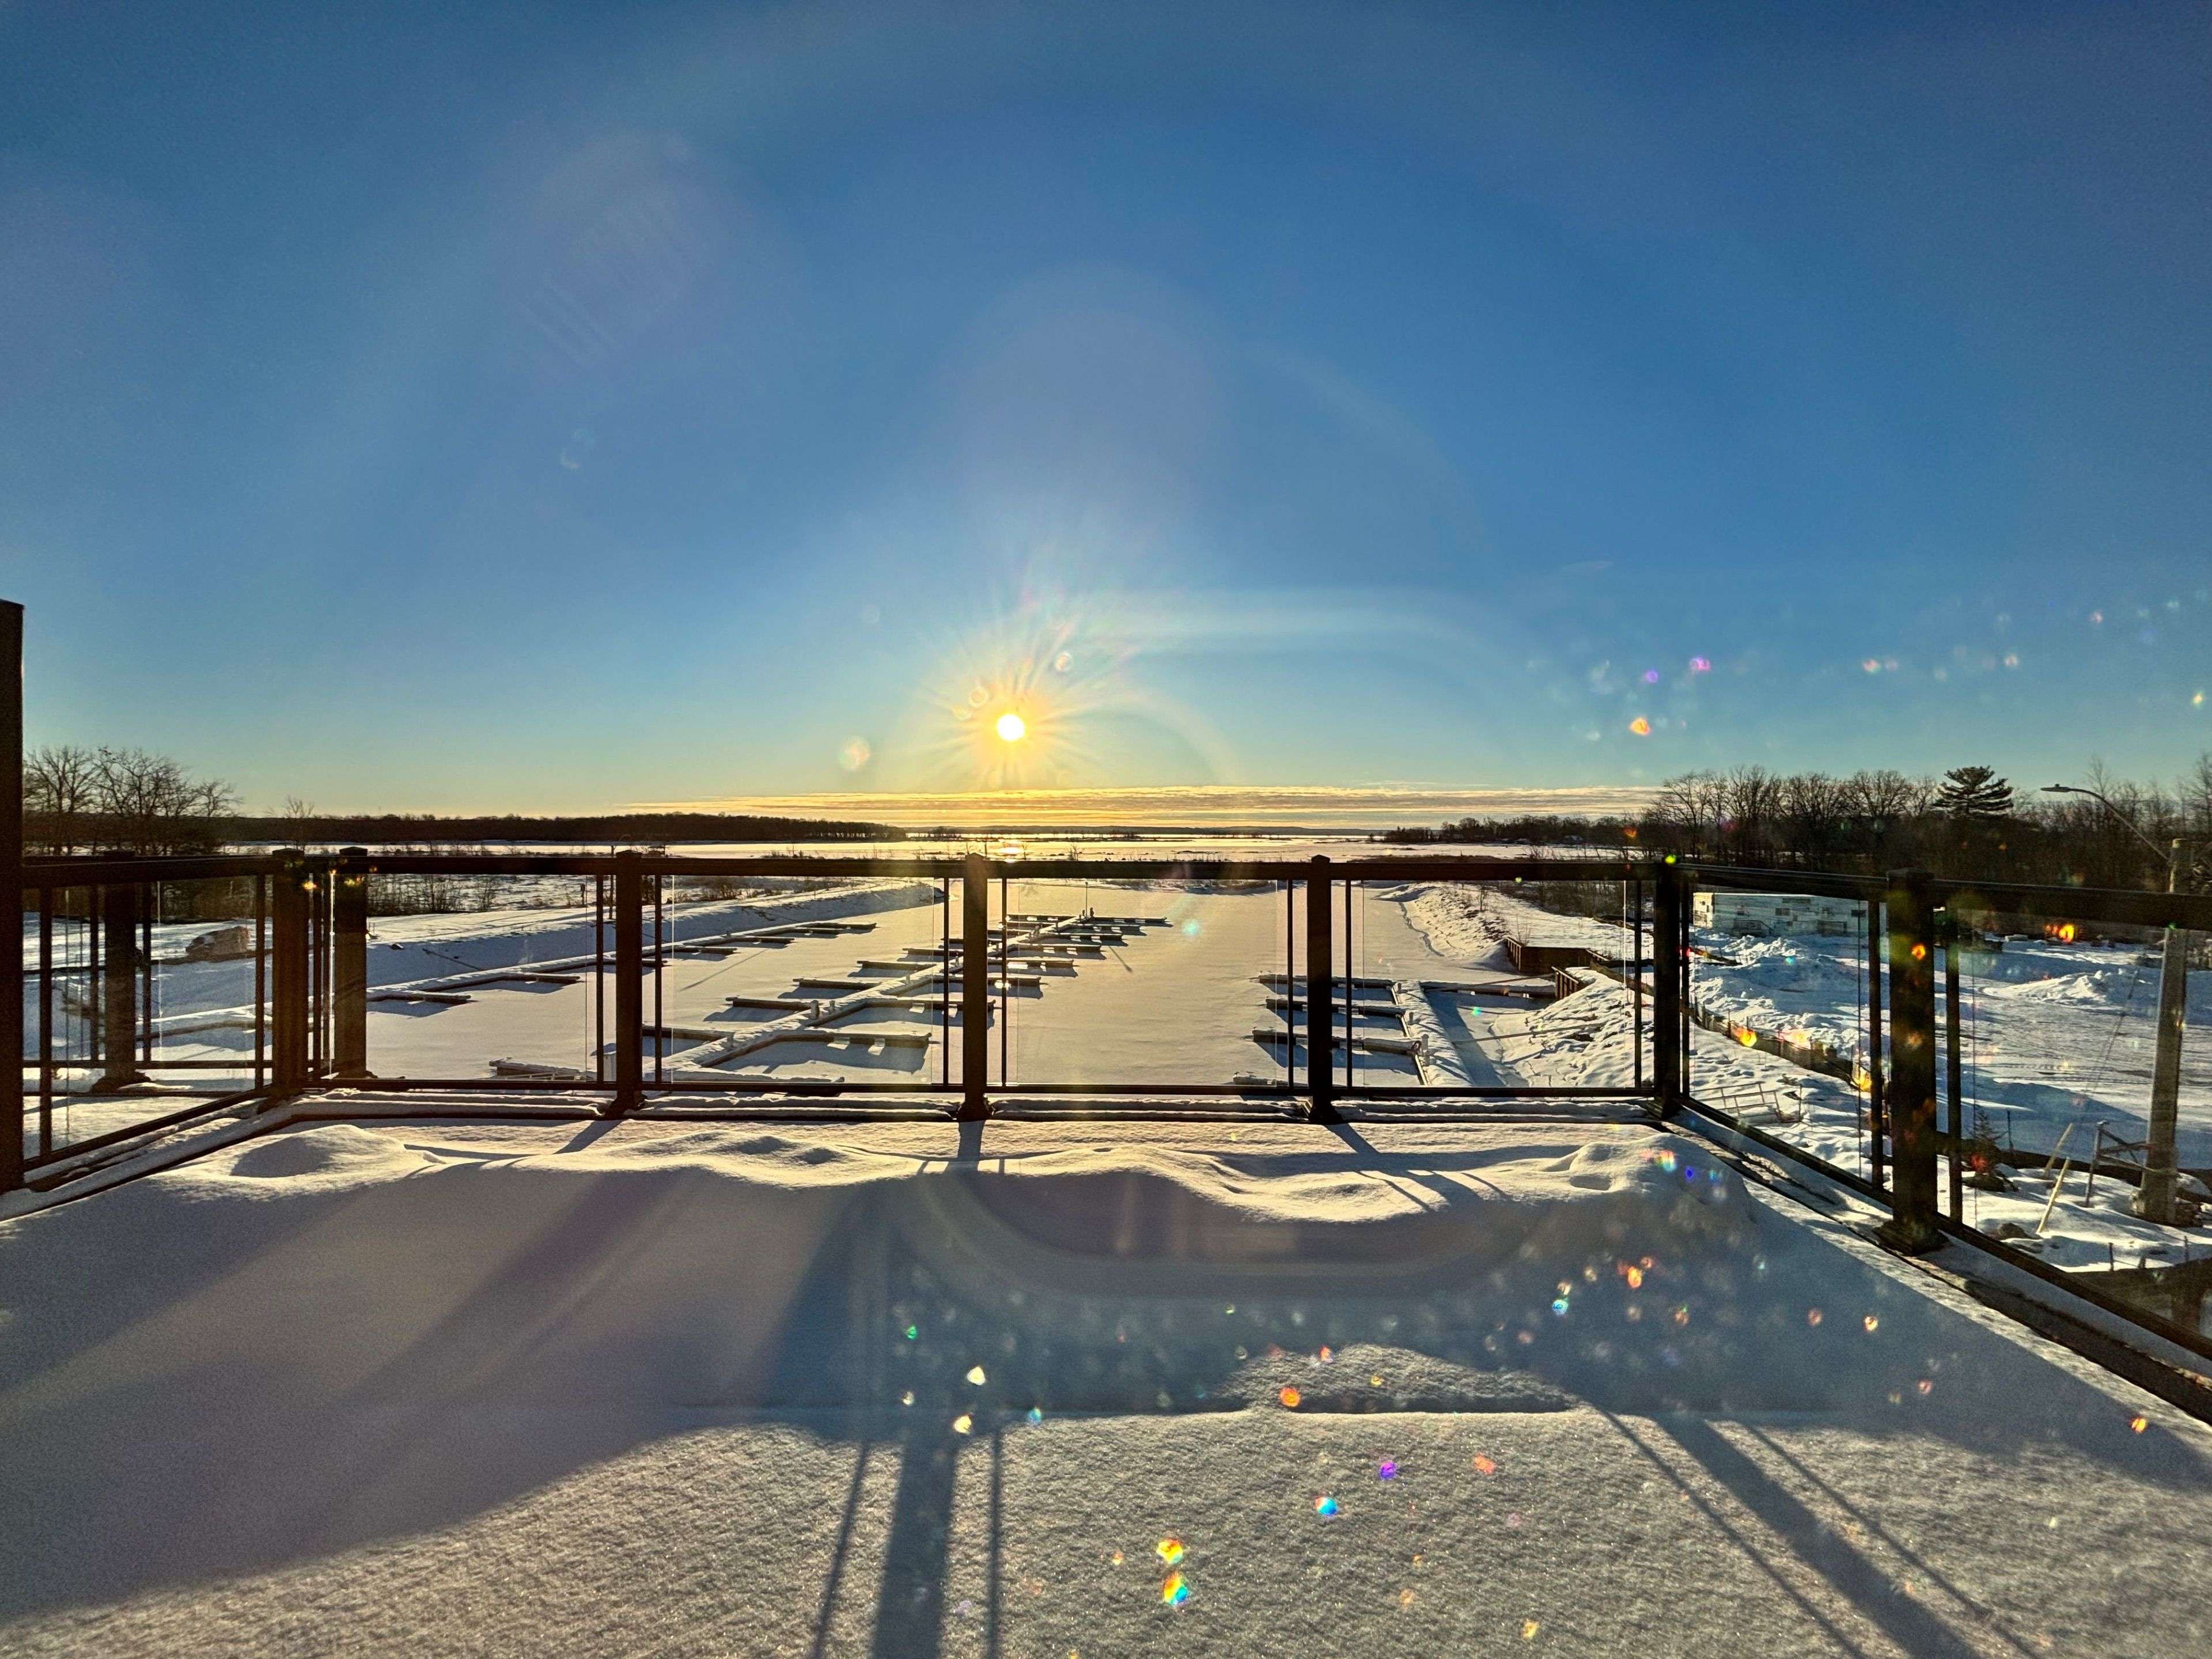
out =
column 1013, row 728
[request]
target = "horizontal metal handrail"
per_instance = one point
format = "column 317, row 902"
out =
column 2105, row 904
column 103, row 869
column 98, row 870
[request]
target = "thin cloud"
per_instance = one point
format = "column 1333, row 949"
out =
column 1195, row 805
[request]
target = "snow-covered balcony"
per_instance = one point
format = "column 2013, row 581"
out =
column 918, row 1260
column 923, row 1387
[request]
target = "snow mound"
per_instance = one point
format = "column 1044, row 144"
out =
column 782, row 1162
column 1672, row 1181
column 342, row 1150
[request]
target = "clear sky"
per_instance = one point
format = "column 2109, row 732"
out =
column 540, row 408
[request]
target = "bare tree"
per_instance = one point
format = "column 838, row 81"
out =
column 149, row 803
column 1751, row 794
column 60, row 792
column 1686, row 813
column 1811, row 808
column 2196, row 798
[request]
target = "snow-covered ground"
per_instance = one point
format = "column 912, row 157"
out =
column 2052, row 1035
column 1042, row 1389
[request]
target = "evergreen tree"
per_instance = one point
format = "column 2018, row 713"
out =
column 1974, row 795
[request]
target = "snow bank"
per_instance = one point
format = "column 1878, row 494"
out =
column 1470, row 923
column 1434, row 1052
column 657, row 1269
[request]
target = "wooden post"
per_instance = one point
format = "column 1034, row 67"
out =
column 1877, row 1117
column 1321, row 998
column 287, row 972
column 11, row 891
column 630, row 984
column 974, row 989
column 349, row 964
column 1954, row 1066
column 2154, row 1197
column 1666, row 987
column 1911, row 1096
column 119, row 975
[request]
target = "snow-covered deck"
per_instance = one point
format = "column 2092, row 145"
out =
column 923, row 1387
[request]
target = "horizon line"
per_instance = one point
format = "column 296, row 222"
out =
column 1210, row 805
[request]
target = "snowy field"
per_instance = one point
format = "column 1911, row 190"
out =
column 908, row 1388
column 2051, row 1034
column 2054, row 1038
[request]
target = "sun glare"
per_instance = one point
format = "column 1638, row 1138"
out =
column 1013, row 727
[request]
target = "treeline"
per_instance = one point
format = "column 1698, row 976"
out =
column 123, row 800
column 1530, row 830
column 1968, row 823
column 127, row 800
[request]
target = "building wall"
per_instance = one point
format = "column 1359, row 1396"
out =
column 1771, row 915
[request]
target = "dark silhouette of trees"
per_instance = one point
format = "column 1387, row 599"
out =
column 121, row 800
column 1970, row 823
column 1975, row 796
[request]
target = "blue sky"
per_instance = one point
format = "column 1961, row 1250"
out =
column 546, row 407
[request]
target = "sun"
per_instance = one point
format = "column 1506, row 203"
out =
column 1013, row 727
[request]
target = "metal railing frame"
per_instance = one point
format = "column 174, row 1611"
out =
column 1916, row 917
column 310, row 974
column 311, row 990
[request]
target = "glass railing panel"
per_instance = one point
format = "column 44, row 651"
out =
column 1495, row 985
column 1784, row 1032
column 2059, row 1071
column 808, row 979
column 1151, row 983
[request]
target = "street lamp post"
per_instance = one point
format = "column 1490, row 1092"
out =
column 2154, row 1199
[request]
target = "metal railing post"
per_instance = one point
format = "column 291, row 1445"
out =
column 287, row 972
column 630, row 984
column 349, row 964
column 1321, row 997
column 11, row 895
column 1666, row 987
column 118, row 1036
column 1911, row 1096
column 974, row 989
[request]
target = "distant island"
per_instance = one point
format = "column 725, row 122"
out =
column 417, row 828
